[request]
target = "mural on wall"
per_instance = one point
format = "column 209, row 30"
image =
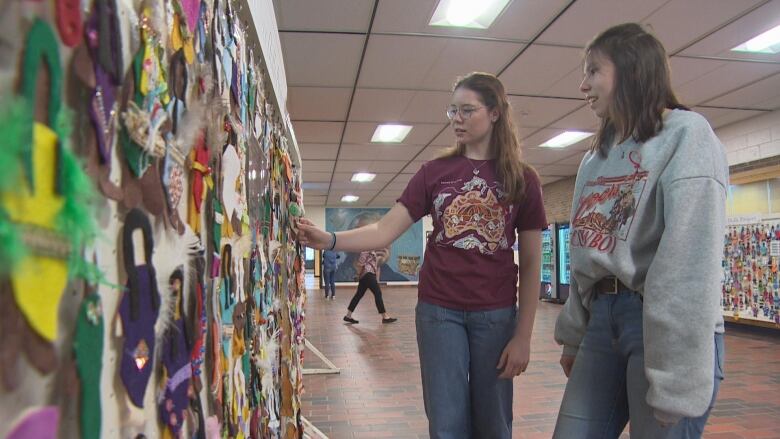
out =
column 400, row 263
column 751, row 282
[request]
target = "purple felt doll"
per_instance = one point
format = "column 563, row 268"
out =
column 174, row 398
column 138, row 310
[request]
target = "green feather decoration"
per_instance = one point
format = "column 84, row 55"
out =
column 76, row 218
column 16, row 131
column 12, row 249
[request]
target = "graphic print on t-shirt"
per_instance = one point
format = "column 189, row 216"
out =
column 473, row 216
column 606, row 208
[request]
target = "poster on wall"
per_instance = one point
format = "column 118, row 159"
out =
column 751, row 282
column 400, row 263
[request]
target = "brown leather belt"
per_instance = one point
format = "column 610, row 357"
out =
column 610, row 285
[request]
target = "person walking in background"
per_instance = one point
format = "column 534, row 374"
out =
column 329, row 258
column 642, row 330
column 368, row 278
column 473, row 320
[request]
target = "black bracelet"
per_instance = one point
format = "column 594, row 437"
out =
column 333, row 241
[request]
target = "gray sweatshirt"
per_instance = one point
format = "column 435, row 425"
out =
column 653, row 214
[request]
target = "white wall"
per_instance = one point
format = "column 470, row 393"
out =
column 752, row 139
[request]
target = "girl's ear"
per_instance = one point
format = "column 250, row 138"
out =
column 494, row 115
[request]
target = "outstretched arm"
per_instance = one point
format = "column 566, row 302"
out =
column 371, row 237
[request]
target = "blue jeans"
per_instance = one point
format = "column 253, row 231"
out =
column 329, row 281
column 459, row 352
column 607, row 385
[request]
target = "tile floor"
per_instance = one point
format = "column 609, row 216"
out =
column 378, row 393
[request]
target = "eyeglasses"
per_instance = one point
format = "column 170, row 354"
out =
column 465, row 112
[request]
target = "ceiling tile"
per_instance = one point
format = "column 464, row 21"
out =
column 318, row 165
column 318, row 132
column 333, row 15
column 399, row 61
column 539, row 157
column 428, row 107
column 521, row 20
column 413, row 167
column 379, row 152
column 350, row 186
column 764, row 94
column 329, row 60
column 361, row 132
column 673, row 25
column 313, row 200
column 719, row 117
column 539, row 68
column 546, row 134
column 575, row 159
column 380, row 105
column 431, row 152
column 539, row 112
column 586, row 18
column 730, row 76
column 460, row 57
column 318, row 103
column 721, row 42
column 376, row 166
column 318, row 151
column 568, row 86
column 316, row 177
column 402, row 178
column 581, row 120
column 445, row 138
column 346, row 177
column 685, row 70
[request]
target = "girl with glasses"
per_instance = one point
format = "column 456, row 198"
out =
column 473, row 320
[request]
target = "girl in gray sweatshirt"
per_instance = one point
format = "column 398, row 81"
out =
column 642, row 328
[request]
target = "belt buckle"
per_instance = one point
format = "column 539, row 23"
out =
column 614, row 289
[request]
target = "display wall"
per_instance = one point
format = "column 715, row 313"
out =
column 152, row 284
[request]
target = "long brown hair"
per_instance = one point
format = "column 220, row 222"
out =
column 643, row 88
column 504, row 144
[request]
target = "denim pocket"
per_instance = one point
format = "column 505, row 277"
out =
column 501, row 316
column 428, row 313
column 719, row 356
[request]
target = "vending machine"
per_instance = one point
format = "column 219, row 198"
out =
column 548, row 290
column 564, row 272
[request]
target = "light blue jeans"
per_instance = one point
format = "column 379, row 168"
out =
column 607, row 385
column 329, row 282
column 459, row 352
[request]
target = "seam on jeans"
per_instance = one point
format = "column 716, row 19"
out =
column 612, row 414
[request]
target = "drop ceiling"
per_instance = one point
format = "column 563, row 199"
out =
column 353, row 64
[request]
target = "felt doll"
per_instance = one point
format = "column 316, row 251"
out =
column 177, row 389
column 138, row 309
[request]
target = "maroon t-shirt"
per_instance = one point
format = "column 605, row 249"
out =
column 469, row 264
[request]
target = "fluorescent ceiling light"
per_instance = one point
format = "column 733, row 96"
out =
column 349, row 198
column 475, row 14
column 768, row 42
column 390, row 133
column 565, row 139
column 363, row 177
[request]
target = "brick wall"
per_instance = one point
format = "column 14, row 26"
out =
column 557, row 199
column 753, row 139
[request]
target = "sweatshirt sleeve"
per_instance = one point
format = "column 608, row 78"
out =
column 572, row 321
column 682, row 288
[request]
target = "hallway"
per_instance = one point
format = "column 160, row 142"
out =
column 378, row 392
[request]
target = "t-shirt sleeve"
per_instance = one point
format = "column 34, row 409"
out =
column 530, row 215
column 416, row 197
